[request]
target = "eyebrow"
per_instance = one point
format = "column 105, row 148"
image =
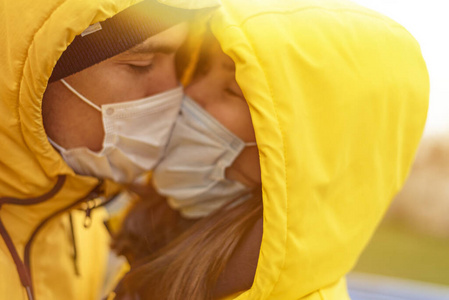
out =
column 146, row 48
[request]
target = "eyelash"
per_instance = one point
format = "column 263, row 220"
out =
column 230, row 91
column 140, row 69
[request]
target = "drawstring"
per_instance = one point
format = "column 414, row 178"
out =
column 92, row 194
column 23, row 269
column 75, row 250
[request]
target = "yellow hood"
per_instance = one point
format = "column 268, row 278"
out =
column 338, row 97
column 34, row 34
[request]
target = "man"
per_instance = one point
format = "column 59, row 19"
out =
column 118, row 55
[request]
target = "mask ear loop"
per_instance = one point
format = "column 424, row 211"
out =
column 250, row 144
column 87, row 101
column 53, row 143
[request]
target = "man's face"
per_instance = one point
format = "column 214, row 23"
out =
column 143, row 71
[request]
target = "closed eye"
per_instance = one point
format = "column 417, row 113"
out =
column 140, row 68
column 234, row 92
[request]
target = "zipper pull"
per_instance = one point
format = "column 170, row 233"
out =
column 88, row 219
column 89, row 206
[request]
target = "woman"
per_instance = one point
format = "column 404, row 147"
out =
column 210, row 175
column 338, row 98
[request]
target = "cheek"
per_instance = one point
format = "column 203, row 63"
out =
column 162, row 77
column 246, row 168
column 205, row 92
column 235, row 116
column 210, row 91
column 69, row 121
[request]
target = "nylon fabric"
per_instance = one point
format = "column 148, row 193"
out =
column 338, row 96
column 34, row 35
column 191, row 4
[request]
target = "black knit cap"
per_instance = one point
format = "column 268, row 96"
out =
column 118, row 34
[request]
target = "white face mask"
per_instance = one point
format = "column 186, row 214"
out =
column 136, row 133
column 192, row 171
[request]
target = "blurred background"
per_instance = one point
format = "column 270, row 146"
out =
column 408, row 257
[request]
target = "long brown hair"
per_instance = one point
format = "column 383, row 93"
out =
column 189, row 266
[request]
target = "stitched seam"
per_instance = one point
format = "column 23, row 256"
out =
column 343, row 10
column 320, row 293
column 238, row 26
column 30, row 45
column 284, row 153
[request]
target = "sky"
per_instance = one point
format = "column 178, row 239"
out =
column 428, row 22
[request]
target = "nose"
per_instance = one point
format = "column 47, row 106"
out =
column 198, row 91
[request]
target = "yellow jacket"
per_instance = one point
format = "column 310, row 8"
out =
column 338, row 97
column 45, row 252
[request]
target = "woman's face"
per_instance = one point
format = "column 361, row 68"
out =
column 217, row 91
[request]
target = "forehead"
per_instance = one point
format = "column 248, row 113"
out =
column 167, row 41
